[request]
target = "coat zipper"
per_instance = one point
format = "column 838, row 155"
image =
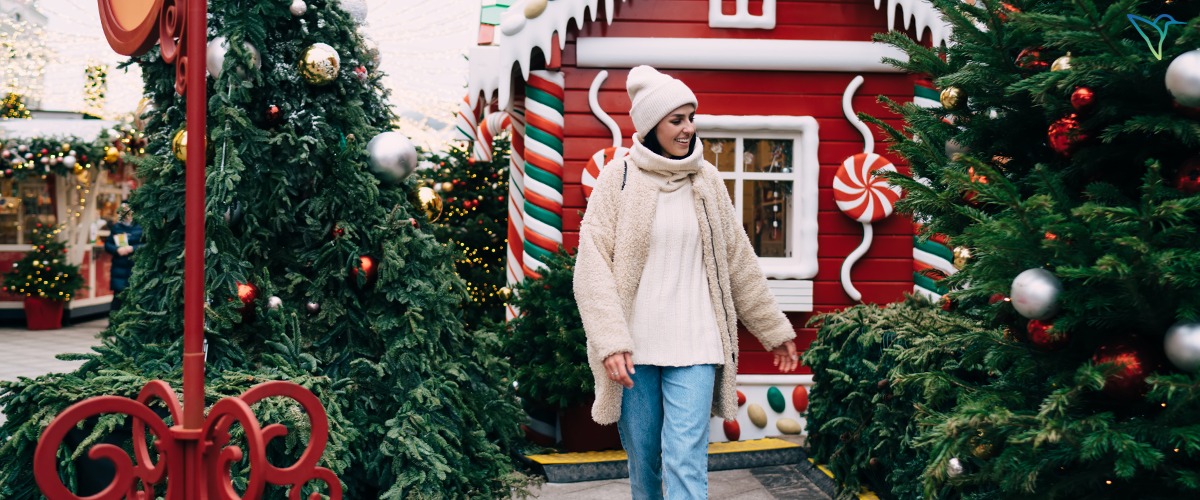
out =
column 713, row 244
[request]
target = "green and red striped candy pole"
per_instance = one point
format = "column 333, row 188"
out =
column 543, row 168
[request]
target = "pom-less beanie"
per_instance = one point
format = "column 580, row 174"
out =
column 654, row 95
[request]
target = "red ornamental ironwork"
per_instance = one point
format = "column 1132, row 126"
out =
column 195, row 454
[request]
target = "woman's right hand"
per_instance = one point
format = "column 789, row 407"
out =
column 619, row 366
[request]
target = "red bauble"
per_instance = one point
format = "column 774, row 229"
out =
column 997, row 297
column 247, row 293
column 1005, row 7
column 1135, row 360
column 1083, row 99
column 361, row 73
column 1186, row 112
column 1066, row 134
column 741, row 398
column 274, row 115
column 1031, row 58
column 733, row 431
column 946, row 303
column 337, row 231
column 370, row 266
column 1045, row 337
column 1187, row 176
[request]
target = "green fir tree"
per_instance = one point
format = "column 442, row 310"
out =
column 475, row 223
column 1100, row 193
column 44, row 270
column 419, row 407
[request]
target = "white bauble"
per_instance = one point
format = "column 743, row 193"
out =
column 215, row 58
column 1183, row 78
column 393, row 157
column 298, row 8
column 1035, row 293
column 1182, row 345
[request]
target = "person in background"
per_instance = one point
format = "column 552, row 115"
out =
column 125, row 239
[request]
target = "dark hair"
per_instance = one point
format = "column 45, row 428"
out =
column 651, row 143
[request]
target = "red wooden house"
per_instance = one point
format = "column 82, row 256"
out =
column 777, row 88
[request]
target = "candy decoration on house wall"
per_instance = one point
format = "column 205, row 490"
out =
column 859, row 193
column 516, row 200
column 466, row 124
column 591, row 171
column 489, row 128
column 544, row 108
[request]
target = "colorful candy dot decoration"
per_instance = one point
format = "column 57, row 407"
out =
column 800, row 398
column 775, row 399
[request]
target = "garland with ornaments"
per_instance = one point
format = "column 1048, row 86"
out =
column 69, row 156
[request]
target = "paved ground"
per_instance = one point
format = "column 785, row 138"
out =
column 25, row 353
column 763, row 483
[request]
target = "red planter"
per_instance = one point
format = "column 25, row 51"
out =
column 43, row 314
column 581, row 433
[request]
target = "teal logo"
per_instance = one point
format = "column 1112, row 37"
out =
column 1162, row 32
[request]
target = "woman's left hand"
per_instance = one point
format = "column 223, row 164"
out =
column 785, row 357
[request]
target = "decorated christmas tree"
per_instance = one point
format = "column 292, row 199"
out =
column 44, row 270
column 322, row 269
column 1062, row 160
column 475, row 223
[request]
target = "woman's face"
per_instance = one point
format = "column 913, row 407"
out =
column 675, row 131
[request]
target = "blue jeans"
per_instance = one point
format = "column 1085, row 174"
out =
column 664, row 418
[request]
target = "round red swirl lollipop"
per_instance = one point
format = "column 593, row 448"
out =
column 861, row 195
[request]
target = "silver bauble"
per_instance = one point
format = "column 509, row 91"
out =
column 953, row 147
column 22, row 148
column 1183, row 78
column 372, row 50
column 393, row 156
column 1035, row 294
column 954, row 468
column 234, row 213
column 298, row 8
column 356, row 8
column 215, row 58
column 68, row 161
column 312, row 307
column 1182, row 344
column 274, row 302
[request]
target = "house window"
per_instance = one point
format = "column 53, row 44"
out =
column 769, row 165
column 742, row 16
column 23, row 205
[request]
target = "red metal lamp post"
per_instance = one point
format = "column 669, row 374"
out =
column 195, row 453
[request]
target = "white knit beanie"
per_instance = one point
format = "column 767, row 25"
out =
column 654, row 95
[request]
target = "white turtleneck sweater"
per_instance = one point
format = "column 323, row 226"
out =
column 672, row 321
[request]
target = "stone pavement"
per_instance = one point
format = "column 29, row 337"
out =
column 25, row 353
column 763, row 483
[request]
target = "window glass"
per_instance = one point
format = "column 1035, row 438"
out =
column 766, row 214
column 731, row 186
column 10, row 213
column 36, row 205
column 767, row 155
column 720, row 152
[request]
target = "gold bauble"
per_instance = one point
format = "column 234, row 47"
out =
column 505, row 293
column 1061, row 63
column 447, row 187
column 319, row 64
column 951, row 97
column 429, row 202
column 179, row 145
column 961, row 255
column 78, row 168
column 984, row 451
column 83, row 176
column 111, row 154
column 65, row 147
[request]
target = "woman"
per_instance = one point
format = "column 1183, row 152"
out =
column 125, row 239
column 663, row 274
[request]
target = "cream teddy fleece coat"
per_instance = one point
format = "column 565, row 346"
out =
column 613, row 247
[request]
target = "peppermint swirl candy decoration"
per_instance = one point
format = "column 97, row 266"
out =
column 591, row 171
column 859, row 194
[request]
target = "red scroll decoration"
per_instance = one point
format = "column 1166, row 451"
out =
column 206, row 478
column 132, row 27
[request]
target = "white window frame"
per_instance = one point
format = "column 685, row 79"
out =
column 803, row 130
column 741, row 18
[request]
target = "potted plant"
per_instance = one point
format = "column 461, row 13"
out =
column 547, row 348
column 45, row 278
